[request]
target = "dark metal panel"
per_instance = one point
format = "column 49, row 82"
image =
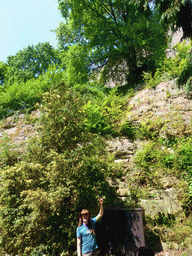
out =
column 120, row 232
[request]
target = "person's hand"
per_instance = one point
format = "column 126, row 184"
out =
column 101, row 201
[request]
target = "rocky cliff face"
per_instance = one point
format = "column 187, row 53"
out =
column 168, row 110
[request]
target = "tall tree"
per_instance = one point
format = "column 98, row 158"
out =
column 174, row 14
column 31, row 62
column 120, row 36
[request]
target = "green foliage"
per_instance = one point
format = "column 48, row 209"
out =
column 185, row 75
column 104, row 117
column 150, row 128
column 128, row 129
column 149, row 162
column 95, row 119
column 63, row 119
column 31, row 62
column 76, row 61
column 3, row 71
column 64, row 171
column 9, row 155
column 161, row 220
column 177, row 66
column 183, row 163
column 125, row 44
column 172, row 14
column 153, row 80
column 155, row 160
column 25, row 95
column 93, row 91
column 184, row 151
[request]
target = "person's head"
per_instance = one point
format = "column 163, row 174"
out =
column 84, row 217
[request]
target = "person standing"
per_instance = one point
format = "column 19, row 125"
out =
column 86, row 239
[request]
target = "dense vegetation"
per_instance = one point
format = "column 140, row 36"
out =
column 66, row 165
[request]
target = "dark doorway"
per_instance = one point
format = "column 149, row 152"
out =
column 120, row 232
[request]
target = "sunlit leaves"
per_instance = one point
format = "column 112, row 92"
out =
column 116, row 33
column 31, row 62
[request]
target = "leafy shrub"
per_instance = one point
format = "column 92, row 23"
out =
column 183, row 161
column 175, row 65
column 64, row 171
column 95, row 121
column 172, row 67
column 150, row 128
column 183, row 165
column 152, row 81
column 127, row 128
column 25, row 95
column 8, row 154
column 161, row 220
column 185, row 76
column 76, row 61
column 104, row 116
column 63, row 119
column 91, row 91
column 149, row 162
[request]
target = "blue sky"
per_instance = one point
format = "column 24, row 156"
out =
column 27, row 22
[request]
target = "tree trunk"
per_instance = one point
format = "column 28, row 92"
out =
column 131, row 60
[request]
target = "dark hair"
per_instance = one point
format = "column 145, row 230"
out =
column 143, row 251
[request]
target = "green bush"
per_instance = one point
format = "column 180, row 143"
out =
column 183, row 161
column 152, row 81
column 63, row 119
column 103, row 116
column 185, row 76
column 149, row 163
column 64, row 171
column 9, row 155
column 150, row 129
column 128, row 129
column 177, row 66
column 76, row 61
column 91, row 91
column 25, row 95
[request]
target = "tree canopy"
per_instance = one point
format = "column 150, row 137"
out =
column 174, row 14
column 31, row 62
column 121, row 37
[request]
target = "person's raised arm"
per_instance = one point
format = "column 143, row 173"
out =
column 78, row 246
column 98, row 217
